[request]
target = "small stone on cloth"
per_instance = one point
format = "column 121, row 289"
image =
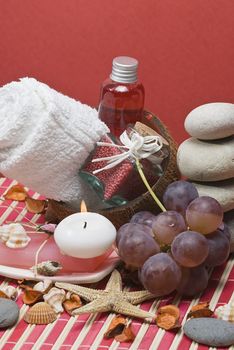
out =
column 210, row 331
column 9, row 313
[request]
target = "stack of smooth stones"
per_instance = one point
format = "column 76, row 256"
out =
column 207, row 157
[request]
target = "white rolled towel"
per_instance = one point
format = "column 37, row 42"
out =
column 45, row 137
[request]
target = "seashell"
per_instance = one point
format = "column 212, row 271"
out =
column 41, row 313
column 30, row 297
column 17, row 236
column 43, row 286
column 55, row 298
column 225, row 312
column 47, row 268
column 4, row 233
column 10, row 291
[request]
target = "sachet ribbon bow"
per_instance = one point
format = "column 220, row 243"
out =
column 136, row 147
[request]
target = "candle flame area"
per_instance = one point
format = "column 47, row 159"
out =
column 83, row 207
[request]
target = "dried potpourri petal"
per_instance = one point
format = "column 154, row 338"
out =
column 3, row 295
column 206, row 312
column 168, row 317
column 35, row 206
column 200, row 310
column 116, row 327
column 72, row 303
column 200, row 306
column 171, row 310
column 16, row 193
column 30, row 297
column 126, row 336
column 167, row 322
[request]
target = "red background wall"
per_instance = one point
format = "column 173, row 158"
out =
column 185, row 48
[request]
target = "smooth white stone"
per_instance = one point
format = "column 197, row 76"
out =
column 211, row 121
column 222, row 191
column 206, row 161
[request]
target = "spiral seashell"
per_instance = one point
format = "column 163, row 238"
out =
column 43, row 286
column 10, row 291
column 55, row 298
column 17, row 236
column 40, row 313
column 47, row 268
column 225, row 312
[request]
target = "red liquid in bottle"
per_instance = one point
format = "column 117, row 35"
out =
column 121, row 104
column 122, row 96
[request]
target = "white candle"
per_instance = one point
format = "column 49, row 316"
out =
column 85, row 235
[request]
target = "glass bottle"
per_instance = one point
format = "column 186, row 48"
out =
column 122, row 96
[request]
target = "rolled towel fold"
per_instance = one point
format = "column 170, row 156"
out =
column 45, row 137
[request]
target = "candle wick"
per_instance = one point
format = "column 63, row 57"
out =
column 85, row 224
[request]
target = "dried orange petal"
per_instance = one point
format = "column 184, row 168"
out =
column 35, row 206
column 116, row 327
column 167, row 321
column 16, row 193
column 203, row 312
column 170, row 310
column 73, row 303
column 127, row 335
column 200, row 306
column 3, row 295
column 30, row 297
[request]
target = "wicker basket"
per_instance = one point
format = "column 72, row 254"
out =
column 57, row 210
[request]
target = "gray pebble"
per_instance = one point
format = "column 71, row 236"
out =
column 9, row 313
column 210, row 331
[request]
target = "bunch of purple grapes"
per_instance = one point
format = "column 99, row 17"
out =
column 173, row 250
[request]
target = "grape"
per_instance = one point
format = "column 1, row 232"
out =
column 167, row 225
column 190, row 248
column 193, row 281
column 224, row 228
column 127, row 228
column 135, row 245
column 204, row 214
column 160, row 274
column 143, row 217
column 178, row 195
column 219, row 248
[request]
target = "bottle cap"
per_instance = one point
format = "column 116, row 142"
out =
column 124, row 69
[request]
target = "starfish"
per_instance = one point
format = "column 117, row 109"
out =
column 112, row 298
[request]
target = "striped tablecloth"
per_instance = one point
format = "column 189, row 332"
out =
column 86, row 331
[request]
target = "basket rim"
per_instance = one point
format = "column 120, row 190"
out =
column 171, row 142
